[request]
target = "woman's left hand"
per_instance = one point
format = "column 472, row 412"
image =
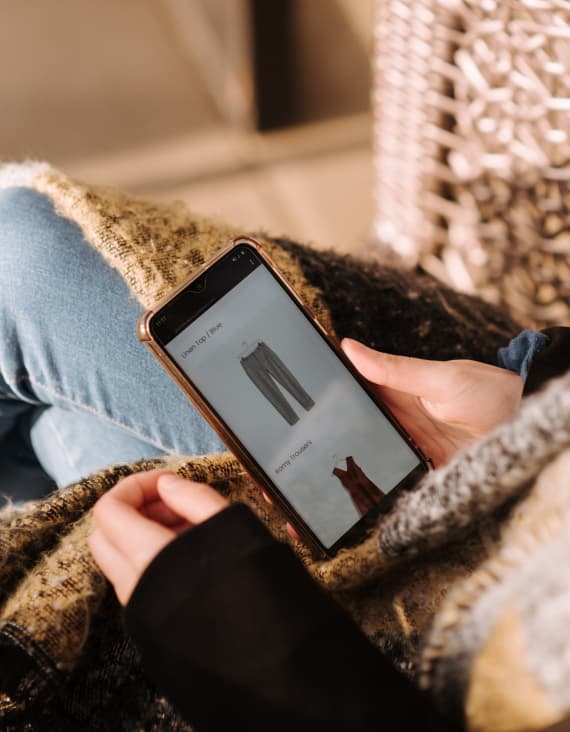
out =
column 444, row 405
column 140, row 516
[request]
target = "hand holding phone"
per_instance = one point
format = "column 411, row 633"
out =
column 283, row 397
column 444, row 405
column 157, row 505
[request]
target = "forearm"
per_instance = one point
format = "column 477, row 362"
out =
column 234, row 631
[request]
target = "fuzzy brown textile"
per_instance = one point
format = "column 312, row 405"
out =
column 65, row 663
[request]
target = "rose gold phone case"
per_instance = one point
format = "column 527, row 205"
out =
column 146, row 337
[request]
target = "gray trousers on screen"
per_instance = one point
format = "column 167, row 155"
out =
column 265, row 368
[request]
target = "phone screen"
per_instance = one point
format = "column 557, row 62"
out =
column 275, row 381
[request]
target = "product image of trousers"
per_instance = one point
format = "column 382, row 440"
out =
column 266, row 370
column 365, row 495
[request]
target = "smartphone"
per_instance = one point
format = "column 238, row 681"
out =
column 282, row 395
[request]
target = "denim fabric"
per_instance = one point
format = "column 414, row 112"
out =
column 517, row 356
column 77, row 390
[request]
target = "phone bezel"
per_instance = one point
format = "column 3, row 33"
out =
column 146, row 336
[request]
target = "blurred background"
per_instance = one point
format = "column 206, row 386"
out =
column 255, row 111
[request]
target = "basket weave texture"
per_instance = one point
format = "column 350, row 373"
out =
column 472, row 147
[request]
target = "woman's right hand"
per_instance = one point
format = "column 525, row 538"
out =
column 139, row 516
column 444, row 405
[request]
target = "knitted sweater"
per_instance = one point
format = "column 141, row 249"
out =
column 436, row 584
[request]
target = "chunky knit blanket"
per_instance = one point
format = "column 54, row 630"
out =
column 465, row 583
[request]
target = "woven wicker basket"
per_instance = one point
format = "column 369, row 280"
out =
column 472, row 147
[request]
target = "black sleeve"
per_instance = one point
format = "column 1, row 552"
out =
column 236, row 634
column 554, row 360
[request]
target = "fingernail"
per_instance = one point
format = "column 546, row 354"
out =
column 170, row 481
column 351, row 343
